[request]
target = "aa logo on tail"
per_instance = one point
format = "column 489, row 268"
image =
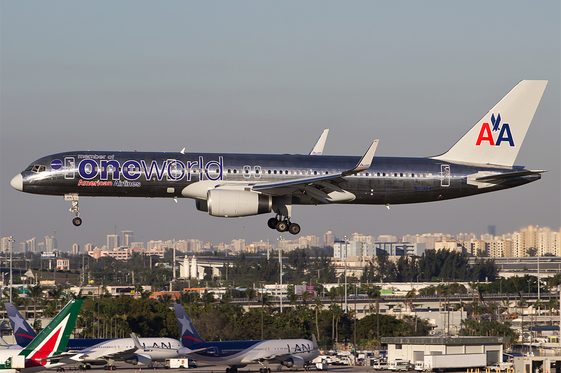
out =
column 486, row 134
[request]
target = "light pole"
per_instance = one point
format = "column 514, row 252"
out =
column 345, row 274
column 10, row 242
column 280, row 272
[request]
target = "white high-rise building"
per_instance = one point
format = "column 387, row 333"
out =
column 112, row 241
column 32, row 245
column 127, row 238
column 329, row 239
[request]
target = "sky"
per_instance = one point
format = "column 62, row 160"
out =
column 269, row 77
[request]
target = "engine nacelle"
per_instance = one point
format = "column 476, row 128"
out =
column 235, row 203
column 293, row 362
column 139, row 359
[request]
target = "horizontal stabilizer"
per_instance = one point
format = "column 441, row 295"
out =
column 508, row 175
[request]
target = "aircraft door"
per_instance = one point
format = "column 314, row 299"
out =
column 444, row 175
column 69, row 167
column 246, row 172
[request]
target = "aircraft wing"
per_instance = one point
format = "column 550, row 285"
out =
column 322, row 188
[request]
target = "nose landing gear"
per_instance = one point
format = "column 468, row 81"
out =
column 77, row 221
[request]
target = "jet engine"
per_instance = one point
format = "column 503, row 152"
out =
column 235, row 203
column 139, row 359
column 293, row 362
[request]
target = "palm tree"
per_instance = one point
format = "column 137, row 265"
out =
column 521, row 303
column 35, row 292
column 411, row 295
column 460, row 307
column 318, row 308
column 249, row 294
column 306, row 296
column 336, row 311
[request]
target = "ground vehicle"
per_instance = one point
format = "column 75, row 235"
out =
column 399, row 366
column 463, row 361
column 180, row 363
column 321, row 364
column 500, row 367
column 380, row 365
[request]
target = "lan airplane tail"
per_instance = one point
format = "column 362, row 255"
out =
column 189, row 335
column 23, row 332
column 497, row 137
column 53, row 339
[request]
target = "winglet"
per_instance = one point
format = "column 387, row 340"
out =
column 315, row 342
column 365, row 161
column 136, row 341
column 318, row 147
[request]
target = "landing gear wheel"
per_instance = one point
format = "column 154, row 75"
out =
column 294, row 228
column 77, row 221
column 282, row 226
column 272, row 223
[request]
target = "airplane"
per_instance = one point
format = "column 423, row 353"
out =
column 24, row 333
column 291, row 353
column 135, row 351
column 101, row 351
column 238, row 185
column 44, row 349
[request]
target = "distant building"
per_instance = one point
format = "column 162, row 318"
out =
column 112, row 241
column 127, row 237
column 329, row 239
column 63, row 264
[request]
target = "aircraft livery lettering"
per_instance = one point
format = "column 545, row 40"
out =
column 156, row 345
column 110, row 170
column 485, row 133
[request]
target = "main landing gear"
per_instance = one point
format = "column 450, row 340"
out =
column 282, row 206
column 232, row 370
column 77, row 221
column 283, row 225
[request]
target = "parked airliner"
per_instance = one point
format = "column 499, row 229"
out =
column 236, row 185
column 291, row 353
column 24, row 333
column 136, row 351
column 42, row 352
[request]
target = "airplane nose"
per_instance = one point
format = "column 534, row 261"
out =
column 17, row 182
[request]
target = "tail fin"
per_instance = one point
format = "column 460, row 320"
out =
column 189, row 335
column 497, row 137
column 23, row 332
column 54, row 338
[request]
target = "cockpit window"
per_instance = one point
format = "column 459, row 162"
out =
column 36, row 168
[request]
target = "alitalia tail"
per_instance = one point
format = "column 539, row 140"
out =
column 237, row 185
column 41, row 352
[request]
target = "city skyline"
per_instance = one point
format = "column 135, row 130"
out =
column 268, row 78
column 238, row 245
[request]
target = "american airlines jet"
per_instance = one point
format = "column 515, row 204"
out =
column 237, row 185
